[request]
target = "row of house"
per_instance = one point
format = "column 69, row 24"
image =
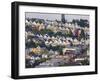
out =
column 53, row 24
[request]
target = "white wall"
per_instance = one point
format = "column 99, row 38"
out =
column 5, row 40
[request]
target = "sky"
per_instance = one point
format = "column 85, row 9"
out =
column 50, row 16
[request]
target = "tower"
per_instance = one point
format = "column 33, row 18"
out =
column 63, row 18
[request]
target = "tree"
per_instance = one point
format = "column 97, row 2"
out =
column 82, row 35
column 81, row 22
